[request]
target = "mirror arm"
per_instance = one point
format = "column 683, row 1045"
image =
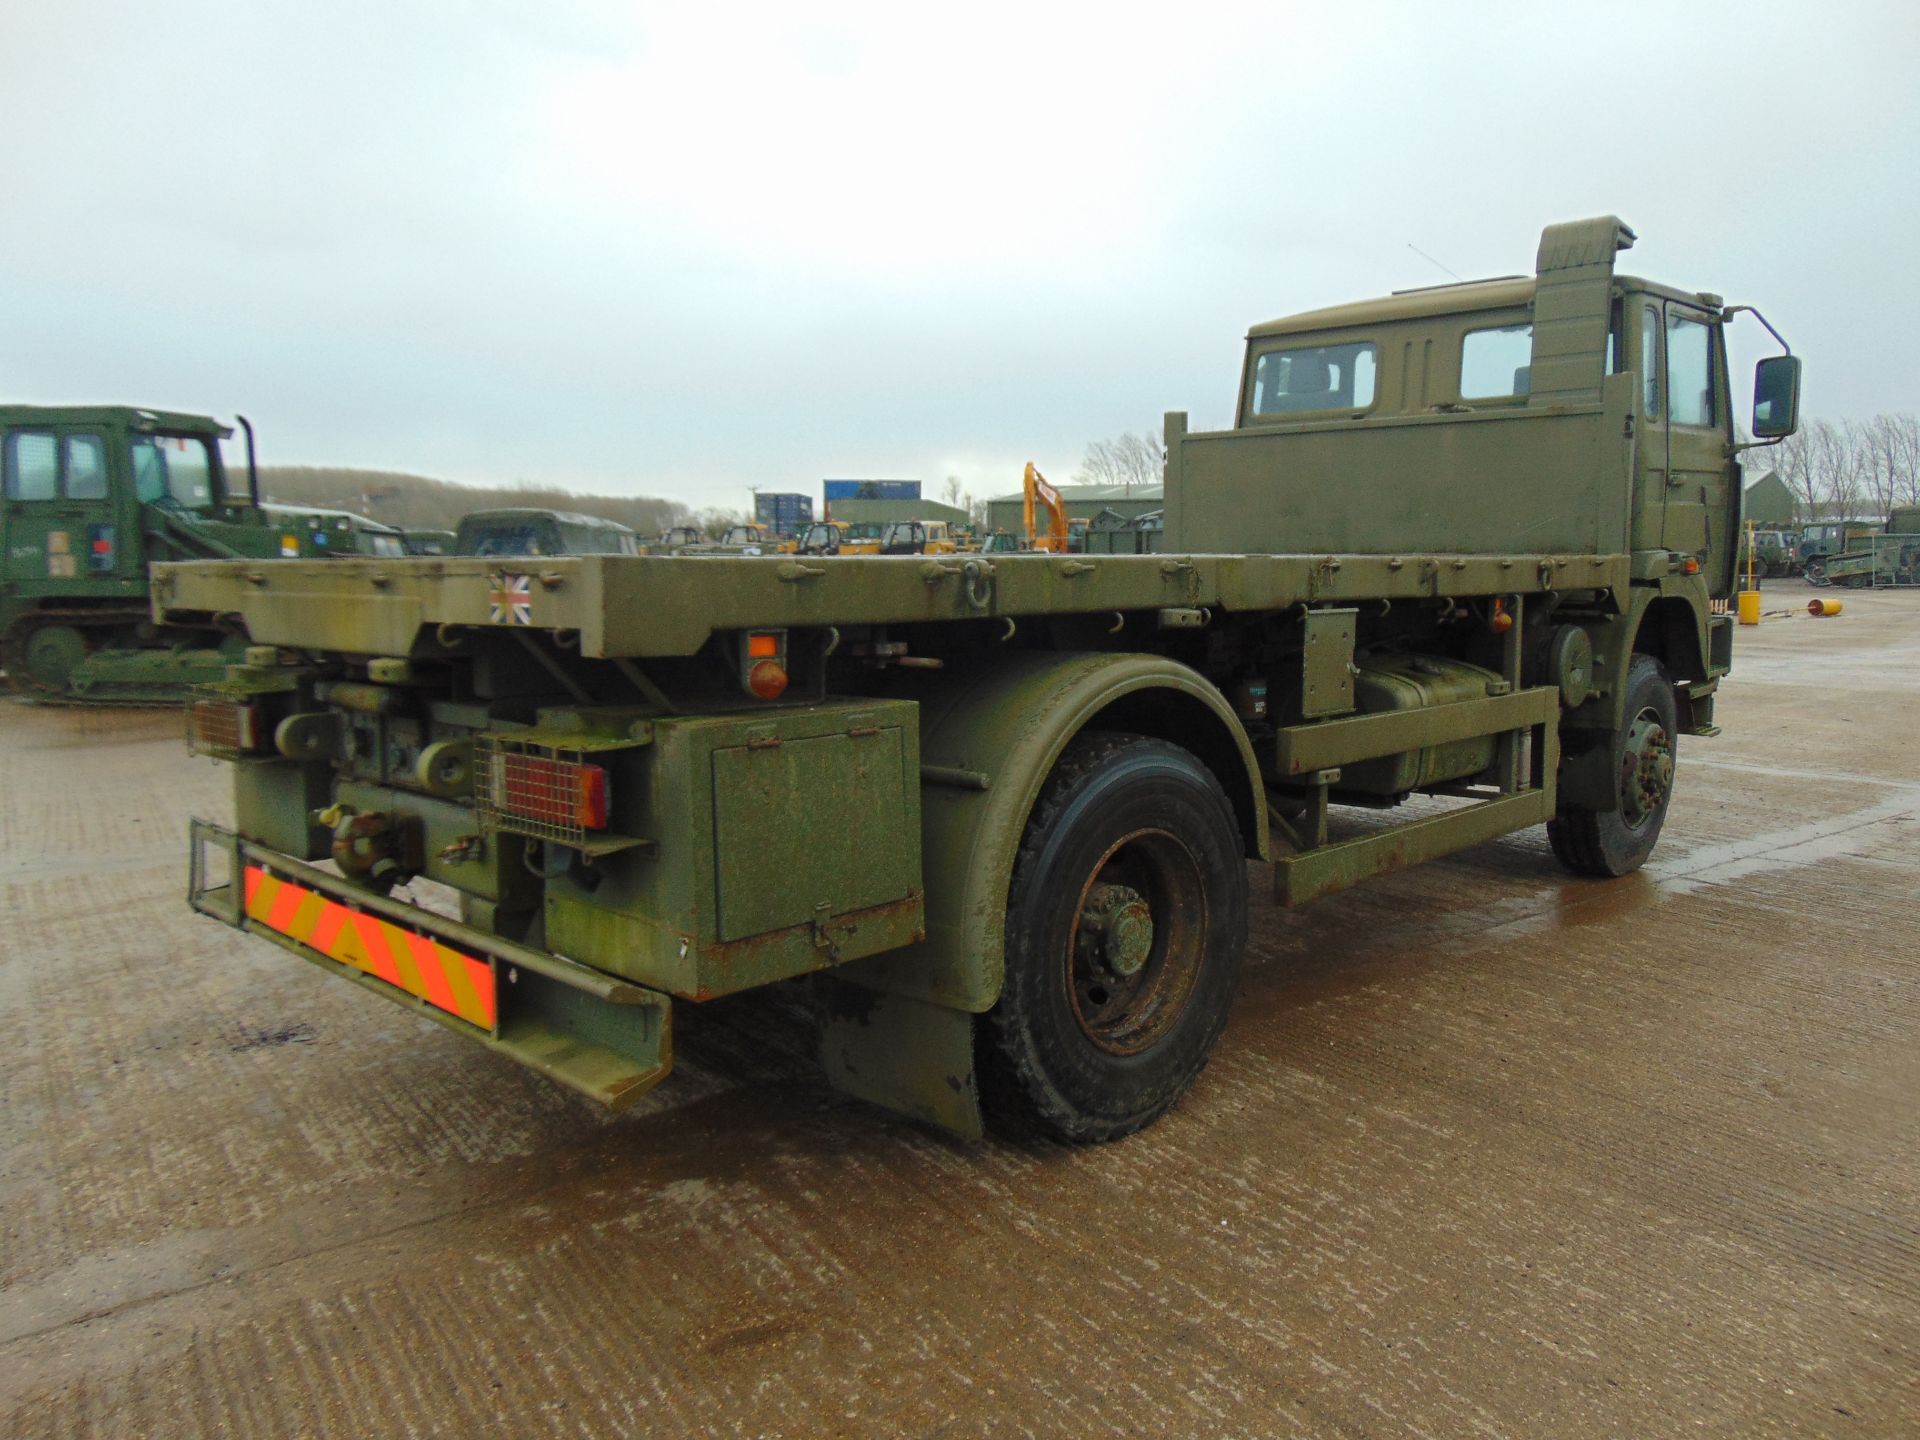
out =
column 1733, row 310
column 1739, row 446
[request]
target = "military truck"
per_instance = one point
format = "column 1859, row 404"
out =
column 1863, row 553
column 1450, row 575
column 334, row 532
column 90, row 495
column 527, row 530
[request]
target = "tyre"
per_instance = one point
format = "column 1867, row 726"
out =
column 1617, row 842
column 1126, row 918
column 1816, row 571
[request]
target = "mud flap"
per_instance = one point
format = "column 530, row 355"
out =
column 905, row 1055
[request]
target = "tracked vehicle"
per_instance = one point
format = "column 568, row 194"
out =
column 90, row 496
column 1450, row 575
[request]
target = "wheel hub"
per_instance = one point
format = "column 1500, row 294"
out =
column 1116, row 928
column 1646, row 769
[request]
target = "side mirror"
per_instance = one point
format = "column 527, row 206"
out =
column 1776, row 397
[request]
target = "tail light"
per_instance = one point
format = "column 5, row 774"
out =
column 532, row 790
column 763, row 664
column 225, row 728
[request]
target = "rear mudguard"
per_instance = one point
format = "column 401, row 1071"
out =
column 898, row 1027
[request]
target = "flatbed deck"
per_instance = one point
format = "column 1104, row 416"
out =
column 641, row 606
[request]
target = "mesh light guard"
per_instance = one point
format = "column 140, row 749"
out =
column 221, row 727
column 529, row 787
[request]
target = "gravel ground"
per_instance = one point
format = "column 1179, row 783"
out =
column 1486, row 1150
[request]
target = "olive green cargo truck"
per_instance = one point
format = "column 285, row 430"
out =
column 1449, row 575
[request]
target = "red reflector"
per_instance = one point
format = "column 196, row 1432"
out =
column 558, row 792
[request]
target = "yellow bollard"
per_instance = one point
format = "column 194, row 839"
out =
column 1749, row 607
column 1823, row 607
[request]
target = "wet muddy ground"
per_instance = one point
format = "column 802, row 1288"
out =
column 1486, row 1150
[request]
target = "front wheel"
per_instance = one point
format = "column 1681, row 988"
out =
column 1618, row 841
column 1126, row 918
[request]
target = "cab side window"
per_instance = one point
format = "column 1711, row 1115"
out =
column 32, row 465
column 1497, row 362
column 1318, row 377
column 1650, row 362
column 86, row 466
column 1689, row 370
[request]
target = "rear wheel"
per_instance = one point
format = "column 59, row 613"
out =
column 1126, row 918
column 1618, row 841
column 40, row 656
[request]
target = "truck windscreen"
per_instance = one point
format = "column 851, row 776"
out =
column 173, row 467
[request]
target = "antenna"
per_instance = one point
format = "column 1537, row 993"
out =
column 1429, row 259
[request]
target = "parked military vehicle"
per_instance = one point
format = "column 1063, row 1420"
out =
column 1773, row 553
column 1863, row 553
column 1111, row 533
column 531, row 531
column 1450, row 575
column 91, row 495
column 677, row 538
column 421, row 540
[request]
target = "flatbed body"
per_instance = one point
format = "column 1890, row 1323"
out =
column 996, row 809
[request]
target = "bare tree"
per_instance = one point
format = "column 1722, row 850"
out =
column 952, row 491
column 1900, row 435
column 1127, row 460
column 1792, row 461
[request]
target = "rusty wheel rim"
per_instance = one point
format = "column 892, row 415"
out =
column 1646, row 770
column 1139, row 931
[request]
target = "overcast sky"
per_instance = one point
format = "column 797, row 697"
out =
column 682, row 250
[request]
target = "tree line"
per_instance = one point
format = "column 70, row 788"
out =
column 416, row 502
column 1848, row 469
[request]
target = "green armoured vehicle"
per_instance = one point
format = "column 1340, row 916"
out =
column 425, row 540
column 1862, row 553
column 91, row 495
column 1455, row 562
column 531, row 531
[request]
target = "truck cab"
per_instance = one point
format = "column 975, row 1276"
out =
column 1486, row 350
column 917, row 537
column 820, row 538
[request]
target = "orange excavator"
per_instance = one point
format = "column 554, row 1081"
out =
column 1039, row 492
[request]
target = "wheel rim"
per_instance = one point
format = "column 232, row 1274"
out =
column 52, row 653
column 1646, row 769
column 1139, row 932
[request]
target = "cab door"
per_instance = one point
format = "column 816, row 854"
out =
column 1702, row 503
column 63, row 535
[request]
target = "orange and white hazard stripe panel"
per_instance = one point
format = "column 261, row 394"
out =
column 417, row 964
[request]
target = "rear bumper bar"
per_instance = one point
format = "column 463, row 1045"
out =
column 592, row 1032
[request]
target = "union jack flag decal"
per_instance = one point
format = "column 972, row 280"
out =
column 509, row 599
